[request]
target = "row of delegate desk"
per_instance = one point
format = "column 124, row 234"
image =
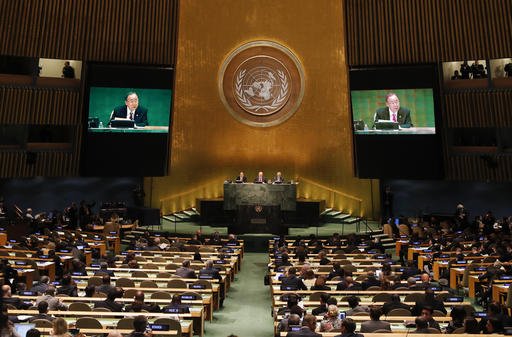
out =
column 461, row 273
column 209, row 296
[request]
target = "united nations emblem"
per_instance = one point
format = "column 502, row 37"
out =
column 261, row 83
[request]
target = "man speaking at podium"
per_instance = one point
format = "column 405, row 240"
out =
column 131, row 110
column 393, row 112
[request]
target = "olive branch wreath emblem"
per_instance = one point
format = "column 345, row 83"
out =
column 276, row 103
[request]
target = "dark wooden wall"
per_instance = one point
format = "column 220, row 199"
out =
column 121, row 31
column 144, row 31
column 387, row 32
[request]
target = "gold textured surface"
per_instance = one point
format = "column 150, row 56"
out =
column 209, row 145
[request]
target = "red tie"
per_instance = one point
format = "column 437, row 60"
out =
column 394, row 117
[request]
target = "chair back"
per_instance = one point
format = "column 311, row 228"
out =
column 125, row 323
column 173, row 325
column 148, row 284
column 79, row 306
column 177, row 283
column 94, row 281
column 414, row 297
column 316, row 296
column 139, row 273
column 125, row 282
column 129, row 293
column 171, row 266
column 163, row 295
column 382, row 297
column 88, row 323
column 399, row 312
column 42, row 323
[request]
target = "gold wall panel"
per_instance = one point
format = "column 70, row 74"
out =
column 209, row 145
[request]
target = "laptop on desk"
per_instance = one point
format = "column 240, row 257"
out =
column 386, row 125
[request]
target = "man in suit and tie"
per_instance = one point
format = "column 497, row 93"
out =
column 278, row 179
column 260, row 179
column 241, row 178
column 393, row 112
column 131, row 110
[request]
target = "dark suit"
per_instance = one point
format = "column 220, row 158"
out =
column 140, row 117
column 241, row 179
column 41, row 316
column 185, row 272
column 263, row 180
column 293, row 282
column 403, row 116
column 112, row 305
column 371, row 326
column 304, row 332
column 211, row 271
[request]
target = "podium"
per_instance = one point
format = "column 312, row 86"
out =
column 259, row 206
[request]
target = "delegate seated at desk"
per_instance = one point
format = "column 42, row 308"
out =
column 393, row 112
column 260, row 179
column 278, row 179
column 131, row 110
column 241, row 178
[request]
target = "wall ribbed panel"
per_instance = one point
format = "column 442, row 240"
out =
column 129, row 31
column 476, row 168
column 50, row 164
column 123, row 31
column 39, row 106
column 478, row 109
column 420, row 31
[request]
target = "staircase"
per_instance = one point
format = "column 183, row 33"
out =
column 188, row 215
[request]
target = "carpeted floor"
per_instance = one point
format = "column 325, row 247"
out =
column 246, row 311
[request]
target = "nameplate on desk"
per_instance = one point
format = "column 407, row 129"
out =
column 12, row 240
column 228, row 250
column 43, row 256
column 461, row 262
column 288, row 288
column 159, row 327
column 189, row 297
column 294, row 328
column 401, row 269
column 97, row 239
column 480, row 269
column 124, row 253
column 78, row 273
column 56, row 283
column 20, row 263
column 427, row 250
column 444, row 256
column 481, row 314
column 176, row 310
column 231, row 244
column 95, row 265
column 506, row 277
column 416, row 243
column 28, row 293
column 219, row 261
column 205, row 277
column 197, row 286
column 435, row 288
column 380, row 257
column 454, row 299
column 64, row 251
